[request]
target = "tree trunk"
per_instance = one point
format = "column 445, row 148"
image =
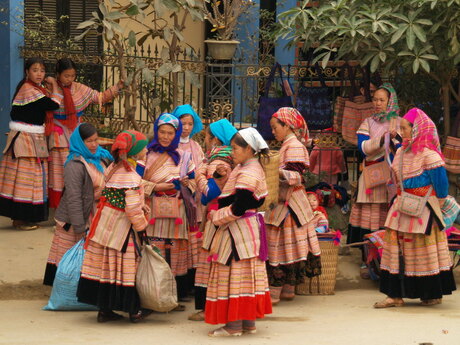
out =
column 446, row 106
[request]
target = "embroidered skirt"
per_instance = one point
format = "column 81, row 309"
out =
column 427, row 270
column 237, row 292
column 23, row 186
column 62, row 241
column 364, row 219
column 108, row 278
column 58, row 156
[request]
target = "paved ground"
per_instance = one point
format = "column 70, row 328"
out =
column 345, row 318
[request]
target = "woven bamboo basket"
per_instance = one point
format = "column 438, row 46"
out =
column 324, row 284
column 271, row 169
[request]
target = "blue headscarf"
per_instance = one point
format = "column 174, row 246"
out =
column 78, row 148
column 171, row 150
column 223, row 130
column 187, row 109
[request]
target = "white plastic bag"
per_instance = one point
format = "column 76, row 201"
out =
column 155, row 282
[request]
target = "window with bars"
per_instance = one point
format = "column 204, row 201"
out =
column 75, row 12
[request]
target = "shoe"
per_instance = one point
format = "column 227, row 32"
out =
column 388, row 303
column 140, row 315
column 364, row 272
column 249, row 330
column 429, row 302
column 105, row 316
column 24, row 226
column 198, row 316
column 180, row 307
column 222, row 332
column 275, row 292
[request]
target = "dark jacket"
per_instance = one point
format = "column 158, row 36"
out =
column 77, row 198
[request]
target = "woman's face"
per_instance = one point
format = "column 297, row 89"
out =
column 92, row 143
column 279, row 131
column 241, row 154
column 67, row 76
column 380, row 100
column 166, row 134
column 406, row 129
column 187, row 125
column 313, row 201
column 36, row 73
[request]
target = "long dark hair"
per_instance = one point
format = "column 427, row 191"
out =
column 86, row 130
column 263, row 154
column 29, row 63
column 65, row 64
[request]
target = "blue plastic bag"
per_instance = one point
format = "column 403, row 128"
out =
column 64, row 292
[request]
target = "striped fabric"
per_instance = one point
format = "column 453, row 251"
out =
column 26, row 144
column 424, row 255
column 369, row 216
column 203, row 269
column 106, row 265
column 56, row 168
column 178, row 254
column 375, row 130
column 62, row 241
column 237, row 292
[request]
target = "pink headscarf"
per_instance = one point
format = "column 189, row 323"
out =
column 424, row 132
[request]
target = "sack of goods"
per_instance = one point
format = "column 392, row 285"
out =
column 155, row 282
column 64, row 292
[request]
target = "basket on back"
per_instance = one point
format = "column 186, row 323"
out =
column 271, row 169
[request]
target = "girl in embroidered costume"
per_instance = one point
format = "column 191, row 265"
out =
column 23, row 169
column 77, row 97
column 191, row 125
column 415, row 260
column 319, row 222
column 238, row 290
column 290, row 240
column 169, row 177
column 371, row 207
column 83, row 181
column 108, row 275
column 209, row 183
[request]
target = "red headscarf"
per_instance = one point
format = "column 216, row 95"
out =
column 295, row 121
column 128, row 143
column 424, row 132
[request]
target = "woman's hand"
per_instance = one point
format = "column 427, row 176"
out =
column 146, row 209
column 185, row 181
column 222, row 170
column 211, row 214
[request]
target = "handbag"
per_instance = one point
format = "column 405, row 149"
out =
column 451, row 153
column 64, row 292
column 270, row 105
column 155, row 282
column 377, row 174
column 410, row 204
column 165, row 207
column 314, row 103
column 355, row 112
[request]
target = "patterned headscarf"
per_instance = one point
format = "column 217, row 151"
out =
column 129, row 143
column 171, row 150
column 78, row 148
column 424, row 132
column 295, row 121
column 392, row 107
column 186, row 109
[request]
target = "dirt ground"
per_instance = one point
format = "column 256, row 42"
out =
column 344, row 318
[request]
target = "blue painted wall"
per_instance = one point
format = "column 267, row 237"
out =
column 283, row 55
column 11, row 64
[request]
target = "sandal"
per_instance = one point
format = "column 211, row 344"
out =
column 222, row 332
column 429, row 302
column 180, row 307
column 388, row 303
column 198, row 316
column 24, row 226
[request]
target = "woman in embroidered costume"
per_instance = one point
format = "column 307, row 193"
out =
column 83, row 181
column 77, row 97
column 24, row 168
column 169, row 177
column 191, row 125
column 108, row 275
column 238, row 290
column 415, row 260
column 371, row 207
column 209, row 183
column 290, row 241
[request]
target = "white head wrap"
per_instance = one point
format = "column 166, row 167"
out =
column 254, row 139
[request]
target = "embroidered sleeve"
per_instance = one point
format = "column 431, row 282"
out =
column 439, row 181
column 134, row 199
